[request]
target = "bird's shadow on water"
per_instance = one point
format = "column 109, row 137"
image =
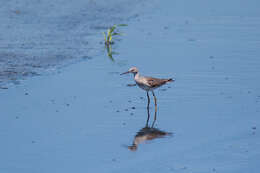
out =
column 149, row 132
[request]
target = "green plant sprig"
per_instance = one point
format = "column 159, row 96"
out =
column 110, row 33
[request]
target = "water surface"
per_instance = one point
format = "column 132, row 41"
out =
column 83, row 118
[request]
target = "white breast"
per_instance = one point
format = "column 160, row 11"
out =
column 142, row 82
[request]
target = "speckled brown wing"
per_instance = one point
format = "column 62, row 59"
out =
column 155, row 82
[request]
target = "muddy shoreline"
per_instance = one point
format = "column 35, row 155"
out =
column 37, row 37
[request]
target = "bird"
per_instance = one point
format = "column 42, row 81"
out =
column 147, row 83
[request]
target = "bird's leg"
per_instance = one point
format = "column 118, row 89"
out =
column 148, row 116
column 148, row 101
column 148, row 111
column 155, row 109
column 155, row 101
column 155, row 116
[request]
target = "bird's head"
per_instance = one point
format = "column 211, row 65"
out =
column 133, row 70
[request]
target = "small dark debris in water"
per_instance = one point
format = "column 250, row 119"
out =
column 16, row 117
column 248, row 92
column 30, row 74
column 86, row 42
column 113, row 160
column 36, row 66
column 67, row 104
column 129, row 101
column 191, row 39
column 211, row 57
column 166, row 27
column 123, row 124
column 126, row 109
column 86, row 57
column 141, row 98
column 17, row 12
column 33, row 142
column 133, row 107
column 131, row 85
column 171, row 169
column 184, row 167
column 214, row 170
column 57, row 110
column 131, row 113
column 26, row 94
column 169, row 87
column 163, row 89
column 254, row 127
column 16, row 82
column 135, row 16
column 117, row 111
column 3, row 88
column 110, row 101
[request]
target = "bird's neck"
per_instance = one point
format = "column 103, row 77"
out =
column 136, row 75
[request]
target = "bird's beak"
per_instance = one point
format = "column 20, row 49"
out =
column 125, row 73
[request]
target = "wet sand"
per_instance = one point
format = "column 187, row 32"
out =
column 37, row 37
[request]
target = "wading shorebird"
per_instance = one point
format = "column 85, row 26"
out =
column 147, row 83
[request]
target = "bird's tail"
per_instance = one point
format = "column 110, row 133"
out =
column 170, row 80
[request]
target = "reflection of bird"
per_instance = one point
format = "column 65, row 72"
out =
column 148, row 133
column 145, row 134
column 147, row 83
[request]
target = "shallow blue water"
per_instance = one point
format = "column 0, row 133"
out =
column 81, row 119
